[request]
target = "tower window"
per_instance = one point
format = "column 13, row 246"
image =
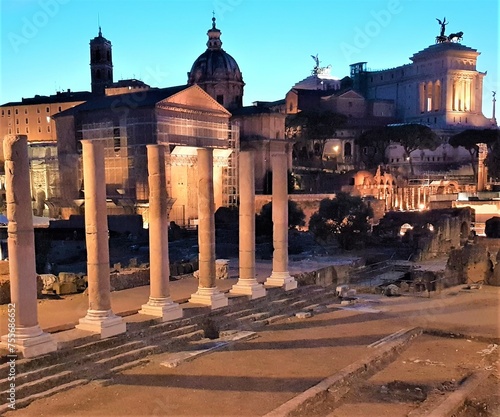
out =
column 98, row 74
column 108, row 55
column 116, row 139
column 97, row 55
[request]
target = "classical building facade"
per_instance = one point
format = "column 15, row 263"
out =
column 181, row 118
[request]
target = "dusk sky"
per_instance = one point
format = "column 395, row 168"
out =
column 45, row 43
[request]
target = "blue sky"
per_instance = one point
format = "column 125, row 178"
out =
column 45, row 43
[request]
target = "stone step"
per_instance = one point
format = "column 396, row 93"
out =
column 42, row 384
column 29, row 376
column 131, row 355
column 269, row 320
column 173, row 335
column 25, row 401
column 100, row 354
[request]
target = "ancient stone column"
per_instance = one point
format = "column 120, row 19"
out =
column 160, row 304
column 99, row 318
column 24, row 334
column 207, row 293
column 247, row 283
column 280, row 277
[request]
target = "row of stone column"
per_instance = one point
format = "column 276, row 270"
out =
column 29, row 338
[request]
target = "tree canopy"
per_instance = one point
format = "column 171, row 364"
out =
column 470, row 138
column 344, row 217
column 315, row 126
column 410, row 136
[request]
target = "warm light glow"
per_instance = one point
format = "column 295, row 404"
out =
column 421, row 207
column 336, row 148
column 404, row 228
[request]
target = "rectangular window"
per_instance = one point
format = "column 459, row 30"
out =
column 17, row 111
column 27, row 130
column 27, row 121
column 116, row 139
column 39, row 129
column 48, row 129
column 2, row 112
column 17, row 130
column 47, row 109
column 25, row 111
column 8, row 112
column 38, row 109
column 39, row 120
column 10, row 131
column 60, row 108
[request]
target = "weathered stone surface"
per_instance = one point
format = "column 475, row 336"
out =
column 471, row 264
column 5, row 288
column 4, row 267
column 222, row 268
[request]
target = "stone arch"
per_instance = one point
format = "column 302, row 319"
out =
column 405, row 228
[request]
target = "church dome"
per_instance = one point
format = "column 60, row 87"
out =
column 217, row 72
column 214, row 65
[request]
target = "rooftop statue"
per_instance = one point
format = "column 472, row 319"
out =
column 442, row 37
column 453, row 37
column 443, row 24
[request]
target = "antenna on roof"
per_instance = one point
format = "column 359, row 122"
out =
column 99, row 24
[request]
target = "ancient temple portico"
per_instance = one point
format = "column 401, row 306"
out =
column 160, row 304
column 247, row 283
column 207, row 293
column 100, row 317
column 280, row 277
column 24, row 333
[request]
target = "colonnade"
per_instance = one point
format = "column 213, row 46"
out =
column 457, row 95
column 29, row 338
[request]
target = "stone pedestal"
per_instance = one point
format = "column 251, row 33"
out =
column 24, row 334
column 207, row 293
column 247, row 284
column 280, row 276
column 160, row 304
column 99, row 318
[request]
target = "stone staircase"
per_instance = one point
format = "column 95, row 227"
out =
column 81, row 357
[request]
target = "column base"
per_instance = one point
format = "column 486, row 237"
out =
column 29, row 341
column 249, row 287
column 210, row 297
column 103, row 322
column 281, row 279
column 164, row 308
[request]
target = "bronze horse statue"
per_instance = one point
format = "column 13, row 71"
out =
column 455, row 37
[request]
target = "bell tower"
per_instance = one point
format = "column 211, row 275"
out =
column 101, row 64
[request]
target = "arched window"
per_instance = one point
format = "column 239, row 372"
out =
column 97, row 55
column 98, row 74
